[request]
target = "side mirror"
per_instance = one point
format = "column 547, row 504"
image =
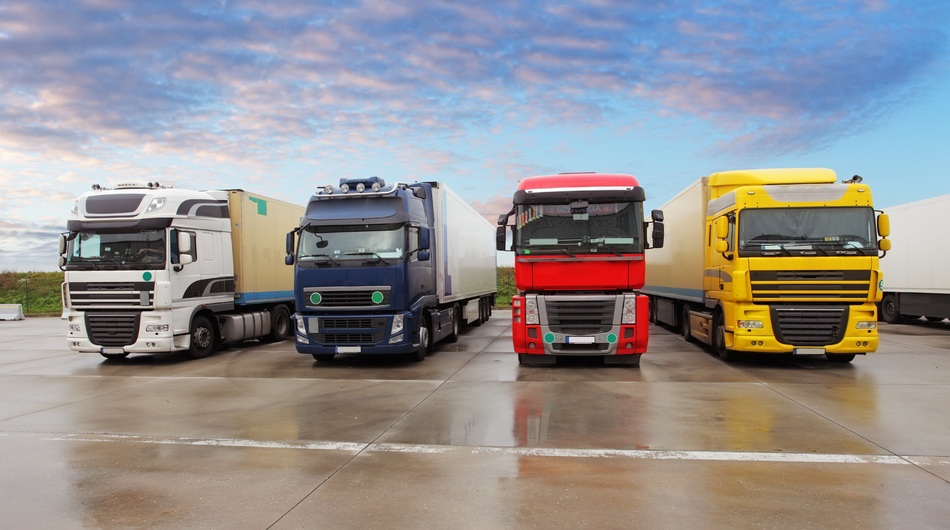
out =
column 722, row 246
column 722, row 229
column 423, row 241
column 884, row 244
column 289, row 243
column 289, row 259
column 883, row 225
column 657, row 216
column 62, row 244
column 501, row 236
column 423, row 255
column 62, row 262
column 659, row 232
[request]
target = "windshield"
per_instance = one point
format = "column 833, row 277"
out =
column 784, row 231
column 367, row 244
column 104, row 249
column 579, row 228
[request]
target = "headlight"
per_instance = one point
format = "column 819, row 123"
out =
column 750, row 324
column 866, row 324
column 531, row 311
column 74, row 327
column 301, row 327
column 397, row 324
column 629, row 310
column 156, row 204
column 156, row 328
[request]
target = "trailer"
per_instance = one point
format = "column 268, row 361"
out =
column 389, row 269
column 915, row 283
column 153, row 269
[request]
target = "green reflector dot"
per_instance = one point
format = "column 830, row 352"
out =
column 315, row 298
column 611, row 338
column 147, row 276
column 549, row 337
column 377, row 297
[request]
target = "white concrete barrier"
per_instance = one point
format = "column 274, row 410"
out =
column 11, row 312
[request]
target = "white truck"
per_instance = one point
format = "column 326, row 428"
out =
column 915, row 281
column 152, row 269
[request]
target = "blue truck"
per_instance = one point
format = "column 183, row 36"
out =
column 389, row 269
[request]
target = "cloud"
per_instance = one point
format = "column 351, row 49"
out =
column 246, row 82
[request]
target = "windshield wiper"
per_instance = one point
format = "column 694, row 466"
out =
column 327, row 256
column 371, row 253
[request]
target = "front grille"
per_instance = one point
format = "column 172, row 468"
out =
column 580, row 315
column 112, row 329
column 809, row 326
column 836, row 285
column 346, row 323
column 356, row 338
column 350, row 331
column 347, row 298
column 111, row 295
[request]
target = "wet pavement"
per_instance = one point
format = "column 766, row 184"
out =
column 259, row 436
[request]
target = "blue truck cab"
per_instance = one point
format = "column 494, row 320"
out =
column 367, row 272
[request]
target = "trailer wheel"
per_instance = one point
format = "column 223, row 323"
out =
column 684, row 324
column 280, row 324
column 202, row 337
column 456, row 322
column 889, row 311
column 719, row 340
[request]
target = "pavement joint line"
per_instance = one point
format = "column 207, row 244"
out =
column 633, row 454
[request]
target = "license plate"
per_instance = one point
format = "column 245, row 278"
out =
column 808, row 351
column 348, row 349
column 111, row 350
column 580, row 340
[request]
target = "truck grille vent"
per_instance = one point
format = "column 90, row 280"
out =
column 809, row 326
column 580, row 316
column 366, row 331
column 111, row 295
column 347, row 338
column 336, row 298
column 112, row 329
column 775, row 286
column 346, row 323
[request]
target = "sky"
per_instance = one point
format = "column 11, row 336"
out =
column 281, row 98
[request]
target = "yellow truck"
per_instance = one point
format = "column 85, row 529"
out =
column 771, row 261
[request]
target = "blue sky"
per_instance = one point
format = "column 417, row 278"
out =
column 280, row 98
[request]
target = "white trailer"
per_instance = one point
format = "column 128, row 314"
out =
column 916, row 283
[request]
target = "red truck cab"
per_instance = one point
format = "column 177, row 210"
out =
column 579, row 241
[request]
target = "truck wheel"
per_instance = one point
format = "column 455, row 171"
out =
column 280, row 324
column 889, row 311
column 456, row 320
column 322, row 357
column 719, row 340
column 425, row 340
column 202, row 337
column 684, row 325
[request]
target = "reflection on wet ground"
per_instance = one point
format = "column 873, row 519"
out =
column 259, row 436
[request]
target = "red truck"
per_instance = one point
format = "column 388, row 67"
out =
column 579, row 241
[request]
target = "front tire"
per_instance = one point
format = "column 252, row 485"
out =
column 425, row 340
column 202, row 337
column 719, row 340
